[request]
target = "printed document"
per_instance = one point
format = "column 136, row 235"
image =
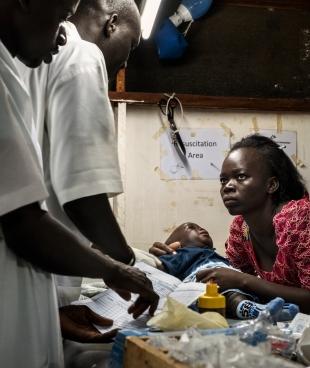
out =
column 110, row 305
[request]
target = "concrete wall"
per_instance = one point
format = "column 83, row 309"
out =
column 150, row 208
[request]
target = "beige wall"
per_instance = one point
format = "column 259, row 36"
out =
column 150, row 207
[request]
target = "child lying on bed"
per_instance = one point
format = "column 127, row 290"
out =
column 188, row 250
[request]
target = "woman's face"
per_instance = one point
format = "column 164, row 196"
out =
column 245, row 181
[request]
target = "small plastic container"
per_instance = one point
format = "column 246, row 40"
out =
column 212, row 300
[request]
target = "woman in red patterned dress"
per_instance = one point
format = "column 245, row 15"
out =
column 269, row 238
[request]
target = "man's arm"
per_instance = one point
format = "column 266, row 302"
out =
column 35, row 236
column 94, row 218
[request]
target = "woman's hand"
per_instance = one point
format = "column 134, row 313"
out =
column 226, row 278
column 77, row 325
column 159, row 249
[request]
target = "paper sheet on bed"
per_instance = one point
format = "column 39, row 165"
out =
column 109, row 304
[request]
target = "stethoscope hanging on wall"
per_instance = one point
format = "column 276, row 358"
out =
column 167, row 107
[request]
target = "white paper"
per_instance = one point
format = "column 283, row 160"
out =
column 110, row 305
column 187, row 293
column 287, row 139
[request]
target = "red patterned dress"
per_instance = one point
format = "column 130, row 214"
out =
column 292, row 231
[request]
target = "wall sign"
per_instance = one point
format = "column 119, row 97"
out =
column 286, row 139
column 205, row 151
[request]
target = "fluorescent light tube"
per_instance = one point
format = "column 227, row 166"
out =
column 148, row 17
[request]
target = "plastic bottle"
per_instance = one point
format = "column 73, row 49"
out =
column 212, row 300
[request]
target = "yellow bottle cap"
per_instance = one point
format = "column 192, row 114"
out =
column 211, row 299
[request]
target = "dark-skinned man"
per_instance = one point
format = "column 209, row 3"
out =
column 32, row 243
column 75, row 125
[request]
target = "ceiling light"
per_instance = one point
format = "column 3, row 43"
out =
column 148, row 16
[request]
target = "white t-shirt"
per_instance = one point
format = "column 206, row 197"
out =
column 75, row 125
column 29, row 325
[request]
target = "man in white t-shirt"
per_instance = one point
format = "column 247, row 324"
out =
column 32, row 244
column 29, row 335
column 75, row 125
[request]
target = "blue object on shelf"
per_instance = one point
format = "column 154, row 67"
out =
column 197, row 8
column 170, row 42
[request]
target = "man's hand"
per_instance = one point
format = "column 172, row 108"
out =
column 159, row 249
column 125, row 280
column 226, row 278
column 76, row 323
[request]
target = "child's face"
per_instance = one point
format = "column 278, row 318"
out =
column 191, row 235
